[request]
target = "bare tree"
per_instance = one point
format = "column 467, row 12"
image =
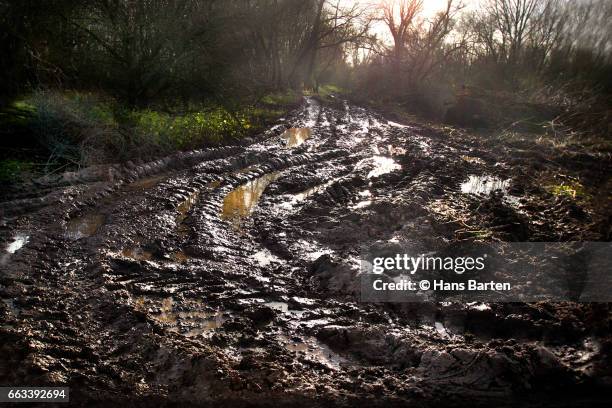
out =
column 334, row 26
column 515, row 33
column 419, row 44
column 431, row 47
column 281, row 42
column 512, row 22
column 400, row 19
column 548, row 31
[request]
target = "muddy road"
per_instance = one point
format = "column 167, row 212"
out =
column 229, row 275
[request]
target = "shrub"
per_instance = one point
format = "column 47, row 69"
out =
column 81, row 129
column 66, row 124
column 12, row 169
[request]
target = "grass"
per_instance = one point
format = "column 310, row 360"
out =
column 281, row 98
column 571, row 188
column 562, row 189
column 189, row 130
column 328, row 89
column 11, row 170
column 78, row 129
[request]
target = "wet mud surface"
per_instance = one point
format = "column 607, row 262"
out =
column 230, row 276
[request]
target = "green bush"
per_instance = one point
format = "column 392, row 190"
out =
column 189, row 130
column 11, row 169
column 281, row 98
column 80, row 129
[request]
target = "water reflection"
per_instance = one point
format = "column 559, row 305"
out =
column 183, row 210
column 85, row 226
column 190, row 323
column 239, row 203
column 137, row 254
column 265, row 257
column 314, row 350
column 18, row 242
column 145, row 183
column 380, row 165
column 296, row 136
column 179, row 256
column 484, row 185
column 280, row 306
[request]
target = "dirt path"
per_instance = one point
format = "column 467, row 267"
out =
column 229, row 275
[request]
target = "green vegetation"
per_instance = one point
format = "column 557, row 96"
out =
column 327, row 90
column 280, row 99
column 77, row 129
column 570, row 188
column 12, row 169
column 189, row 130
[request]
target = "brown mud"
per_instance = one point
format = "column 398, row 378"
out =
column 229, row 276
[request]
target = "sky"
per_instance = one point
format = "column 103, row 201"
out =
column 430, row 7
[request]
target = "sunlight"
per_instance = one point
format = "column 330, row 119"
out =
column 430, row 7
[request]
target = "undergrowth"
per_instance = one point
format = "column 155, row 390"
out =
column 78, row 129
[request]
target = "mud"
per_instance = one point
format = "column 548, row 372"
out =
column 230, row 275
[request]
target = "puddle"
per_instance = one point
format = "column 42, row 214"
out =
column 144, row 184
column 283, row 307
column 472, row 159
column 315, row 322
column 85, row 226
column 185, row 207
column 204, row 322
column 179, row 256
column 312, row 110
column 395, row 150
column 483, row 185
column 304, row 301
column 314, row 255
column 265, row 257
column 296, row 346
column 140, row 254
column 137, row 254
column 398, row 125
column 296, row 136
column 293, row 199
column 394, row 239
column 380, row 165
column 244, row 170
column 314, row 350
column 440, row 329
column 361, row 204
column 307, row 193
column 478, row 306
column 366, row 202
column 190, row 323
column 280, row 306
column 19, row 241
column 239, row 203
column 311, row 250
